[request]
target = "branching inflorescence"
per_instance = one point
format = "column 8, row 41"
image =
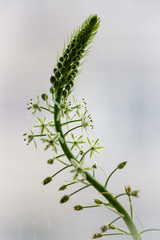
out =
column 70, row 119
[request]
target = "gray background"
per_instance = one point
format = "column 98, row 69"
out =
column 121, row 85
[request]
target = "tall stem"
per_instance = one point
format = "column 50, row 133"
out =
column 100, row 188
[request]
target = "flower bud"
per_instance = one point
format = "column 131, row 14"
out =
column 128, row 189
column 56, row 84
column 63, row 80
column 104, row 228
column 68, row 87
column 51, row 90
column 64, row 93
column 59, row 65
column 111, row 226
column 54, row 70
column 52, row 79
column 61, row 59
column 50, row 161
column 78, row 207
column 63, row 70
column 64, row 199
column 98, row 201
column 94, row 165
column 57, row 74
column 69, row 78
column 122, row 165
column 71, row 83
column 97, row 235
column 63, row 187
column 44, row 96
column 134, row 193
column 47, row 180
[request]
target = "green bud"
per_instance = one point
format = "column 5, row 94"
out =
column 63, row 187
column 71, row 83
column 68, row 87
column 93, row 20
column 47, row 180
column 64, row 199
column 111, row 226
column 51, row 90
column 61, row 59
column 55, row 70
column 78, row 207
column 63, row 70
column 94, row 165
column 56, row 84
column 57, row 74
column 128, row 189
column 134, row 193
column 50, row 161
column 104, row 228
column 98, row 201
column 67, row 50
column 64, row 93
column 52, row 79
column 97, row 235
column 44, row 96
column 65, row 55
column 59, row 65
column 122, row 165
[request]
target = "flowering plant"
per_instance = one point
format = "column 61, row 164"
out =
column 71, row 117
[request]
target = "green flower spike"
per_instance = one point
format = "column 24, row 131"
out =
column 67, row 65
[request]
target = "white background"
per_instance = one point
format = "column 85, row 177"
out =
column 121, row 84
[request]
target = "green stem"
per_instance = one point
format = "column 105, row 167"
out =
column 110, row 177
column 73, row 121
column 79, row 190
column 100, row 188
column 60, row 170
column 150, row 229
column 46, row 109
column 72, row 129
column 85, row 154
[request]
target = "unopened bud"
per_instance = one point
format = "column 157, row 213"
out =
column 59, row 65
column 50, row 161
column 122, row 165
column 64, row 199
column 98, row 201
column 104, row 228
column 111, row 226
column 134, row 193
column 51, row 90
column 63, row 187
column 128, row 189
column 47, row 180
column 52, row 79
column 44, row 96
column 78, row 207
column 97, row 235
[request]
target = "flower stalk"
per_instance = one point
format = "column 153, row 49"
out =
column 51, row 133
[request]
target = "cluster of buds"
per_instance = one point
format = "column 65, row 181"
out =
column 67, row 65
column 129, row 191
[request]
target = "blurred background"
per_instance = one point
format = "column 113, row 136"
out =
column 120, row 83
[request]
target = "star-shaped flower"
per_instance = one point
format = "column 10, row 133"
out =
column 52, row 141
column 94, row 146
